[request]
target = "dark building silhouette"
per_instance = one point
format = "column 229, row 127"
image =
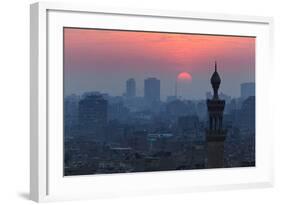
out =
column 152, row 90
column 93, row 116
column 247, row 115
column 198, row 155
column 201, row 110
column 70, row 113
column 215, row 134
column 171, row 98
column 131, row 88
column 247, row 90
column 177, row 108
column 117, row 111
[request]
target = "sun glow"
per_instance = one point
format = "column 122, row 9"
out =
column 184, row 76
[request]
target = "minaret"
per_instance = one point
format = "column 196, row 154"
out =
column 215, row 134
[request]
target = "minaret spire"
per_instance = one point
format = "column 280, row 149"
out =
column 215, row 66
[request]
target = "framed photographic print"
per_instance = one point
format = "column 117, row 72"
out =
column 127, row 102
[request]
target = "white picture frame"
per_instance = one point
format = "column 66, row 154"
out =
column 46, row 179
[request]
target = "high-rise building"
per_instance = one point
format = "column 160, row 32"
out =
column 93, row 116
column 131, row 88
column 247, row 90
column 152, row 90
column 246, row 119
column 215, row 134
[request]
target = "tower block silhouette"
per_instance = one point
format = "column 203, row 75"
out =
column 215, row 134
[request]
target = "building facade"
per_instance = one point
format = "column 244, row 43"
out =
column 131, row 88
column 93, row 116
column 152, row 90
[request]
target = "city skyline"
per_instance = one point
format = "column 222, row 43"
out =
column 244, row 91
column 103, row 60
column 120, row 134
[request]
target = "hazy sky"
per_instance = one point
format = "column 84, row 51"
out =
column 102, row 60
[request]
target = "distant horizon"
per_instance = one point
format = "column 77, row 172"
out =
column 163, row 100
column 102, row 60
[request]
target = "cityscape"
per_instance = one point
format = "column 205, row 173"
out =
column 107, row 132
column 117, row 134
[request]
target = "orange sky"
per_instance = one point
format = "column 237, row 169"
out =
column 137, row 54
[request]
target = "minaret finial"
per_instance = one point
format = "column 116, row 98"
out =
column 216, row 66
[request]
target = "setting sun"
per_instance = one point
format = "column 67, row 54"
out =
column 184, row 76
